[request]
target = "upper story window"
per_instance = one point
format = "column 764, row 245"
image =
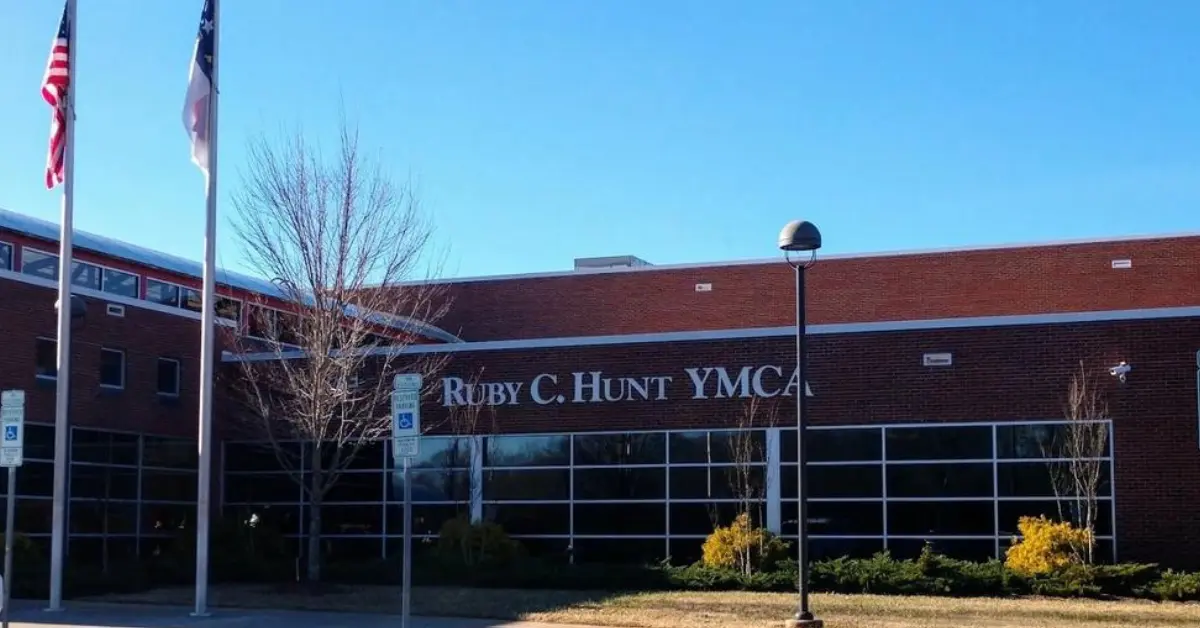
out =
column 83, row 274
column 6, row 256
column 174, row 295
column 38, row 263
column 271, row 324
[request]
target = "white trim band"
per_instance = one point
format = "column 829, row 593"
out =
column 1065, row 318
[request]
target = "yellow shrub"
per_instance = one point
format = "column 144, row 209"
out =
column 742, row 547
column 1046, row 546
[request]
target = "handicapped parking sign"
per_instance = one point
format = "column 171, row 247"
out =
column 404, row 421
column 11, row 433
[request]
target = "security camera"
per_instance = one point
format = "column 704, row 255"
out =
column 1119, row 371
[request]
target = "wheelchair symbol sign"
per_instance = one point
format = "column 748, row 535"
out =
column 11, row 432
column 404, row 421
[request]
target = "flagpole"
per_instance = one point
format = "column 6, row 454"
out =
column 63, row 363
column 207, row 332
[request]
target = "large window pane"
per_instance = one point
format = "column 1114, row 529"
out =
column 260, row 488
column 533, row 485
column 120, row 283
column 357, row 519
column 620, row 483
column 620, row 551
column 941, row 518
column 168, row 486
column 617, row 449
column 85, row 275
column 1040, row 479
column 728, row 482
column 6, row 256
column 530, row 518
column 99, row 517
column 702, row 518
column 427, row 519
column 104, row 447
column 977, row 550
column 1056, row 510
column 441, row 452
column 162, row 293
column 527, row 451
column 833, row 445
column 39, row 264
column 257, row 456
column 166, row 518
column 35, row 478
column 939, row 443
column 737, row 446
column 1041, row 440
column 940, row 480
column 169, row 452
column 836, row 518
column 39, row 441
column 620, row 519
column 432, row 485
column 360, row 455
column 103, row 482
column 834, row 481
column 356, row 486
column 825, row 549
column 689, row 447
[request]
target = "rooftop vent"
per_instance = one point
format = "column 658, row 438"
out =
column 612, row 261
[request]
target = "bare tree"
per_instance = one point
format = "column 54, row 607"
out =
column 747, row 477
column 1076, row 454
column 342, row 244
column 463, row 423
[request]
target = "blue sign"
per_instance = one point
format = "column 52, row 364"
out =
column 404, row 420
column 10, row 433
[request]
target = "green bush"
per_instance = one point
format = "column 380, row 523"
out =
column 1177, row 586
column 475, row 544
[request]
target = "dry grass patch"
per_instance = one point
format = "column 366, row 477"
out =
column 712, row 610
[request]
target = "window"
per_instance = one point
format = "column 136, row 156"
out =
column 229, row 308
column 85, row 275
column 168, row 377
column 162, row 293
column 112, row 368
column 271, row 324
column 120, row 283
column 6, row 257
column 39, row 264
column 191, row 299
column 47, row 358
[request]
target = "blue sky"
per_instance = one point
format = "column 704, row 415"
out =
column 537, row 131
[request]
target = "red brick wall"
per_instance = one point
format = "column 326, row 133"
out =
column 27, row 311
column 1042, row 279
column 999, row 374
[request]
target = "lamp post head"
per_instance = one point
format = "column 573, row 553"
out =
column 800, row 236
column 78, row 307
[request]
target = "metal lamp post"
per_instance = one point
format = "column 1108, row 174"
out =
column 801, row 236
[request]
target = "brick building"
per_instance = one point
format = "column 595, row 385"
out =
column 615, row 410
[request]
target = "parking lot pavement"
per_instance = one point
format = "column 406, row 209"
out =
column 92, row 615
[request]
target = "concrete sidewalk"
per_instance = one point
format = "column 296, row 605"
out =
column 25, row 614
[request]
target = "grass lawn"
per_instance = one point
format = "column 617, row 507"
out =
column 711, row 610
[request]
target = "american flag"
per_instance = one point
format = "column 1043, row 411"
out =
column 200, row 88
column 55, row 84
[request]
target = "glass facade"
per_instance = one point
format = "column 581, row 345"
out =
column 128, row 494
column 646, row 496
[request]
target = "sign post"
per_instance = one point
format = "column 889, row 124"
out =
column 406, row 445
column 12, row 454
